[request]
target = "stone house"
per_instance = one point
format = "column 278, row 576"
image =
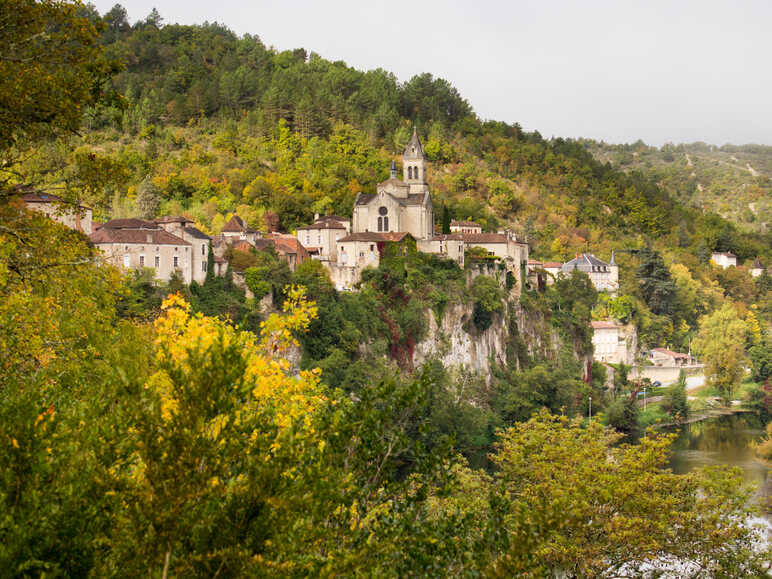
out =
column 360, row 250
column 237, row 229
column 135, row 243
column 668, row 358
column 604, row 276
column 74, row 216
column 320, row 238
column 543, row 273
column 613, row 343
column 290, row 249
column 183, row 228
column 450, row 246
column 724, row 259
column 757, row 268
column 465, row 227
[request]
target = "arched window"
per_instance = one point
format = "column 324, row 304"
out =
column 416, row 173
column 380, row 224
column 410, row 172
column 386, row 224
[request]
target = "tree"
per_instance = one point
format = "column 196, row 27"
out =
column 148, row 199
column 720, row 342
column 674, row 400
column 577, row 503
column 52, row 66
column 655, row 284
column 223, row 428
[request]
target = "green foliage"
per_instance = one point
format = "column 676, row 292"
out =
column 674, row 400
column 655, row 284
column 721, row 343
column 487, row 297
column 622, row 414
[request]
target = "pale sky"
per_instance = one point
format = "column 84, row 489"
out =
column 617, row 70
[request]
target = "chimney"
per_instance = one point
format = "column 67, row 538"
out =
column 150, row 237
column 316, row 217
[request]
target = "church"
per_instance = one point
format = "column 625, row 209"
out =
column 400, row 210
column 399, row 205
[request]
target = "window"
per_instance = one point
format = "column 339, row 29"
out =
column 386, row 224
column 380, row 224
column 126, row 260
column 141, row 261
column 157, row 260
column 410, row 172
column 372, row 247
column 176, row 262
column 383, row 210
column 203, row 266
column 203, row 249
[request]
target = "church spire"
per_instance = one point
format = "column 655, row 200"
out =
column 414, row 148
column 613, row 260
column 393, row 169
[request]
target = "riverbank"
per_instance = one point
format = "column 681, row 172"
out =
column 704, row 415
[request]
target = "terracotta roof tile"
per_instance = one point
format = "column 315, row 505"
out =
column 106, row 235
column 375, row 236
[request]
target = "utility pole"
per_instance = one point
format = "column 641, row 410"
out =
column 590, row 416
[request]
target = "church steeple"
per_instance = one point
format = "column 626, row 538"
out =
column 393, row 169
column 414, row 162
column 414, row 149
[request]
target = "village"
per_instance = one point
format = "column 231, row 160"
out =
column 399, row 212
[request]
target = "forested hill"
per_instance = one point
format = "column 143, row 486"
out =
column 734, row 181
column 213, row 123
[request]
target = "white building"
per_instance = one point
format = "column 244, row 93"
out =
column 399, row 205
column 321, row 237
column 465, row 227
column 612, row 343
column 604, row 276
column 724, row 259
column 757, row 268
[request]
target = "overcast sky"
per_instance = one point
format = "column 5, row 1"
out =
column 617, row 70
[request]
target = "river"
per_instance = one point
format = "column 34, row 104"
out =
column 725, row 440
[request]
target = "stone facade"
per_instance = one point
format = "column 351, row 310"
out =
column 321, row 237
column 399, row 205
column 465, row 227
column 77, row 217
column 613, row 343
column 183, row 228
column 134, row 244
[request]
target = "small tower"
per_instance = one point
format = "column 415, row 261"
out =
column 414, row 164
column 613, row 273
column 393, row 170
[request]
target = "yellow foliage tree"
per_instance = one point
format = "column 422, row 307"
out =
column 225, row 425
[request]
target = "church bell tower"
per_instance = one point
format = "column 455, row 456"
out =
column 414, row 164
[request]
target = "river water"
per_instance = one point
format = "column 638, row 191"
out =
column 725, row 440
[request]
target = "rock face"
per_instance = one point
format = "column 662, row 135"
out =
column 451, row 343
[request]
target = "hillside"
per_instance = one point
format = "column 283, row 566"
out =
column 439, row 421
column 213, row 124
column 733, row 181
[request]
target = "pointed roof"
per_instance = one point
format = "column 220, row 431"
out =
column 613, row 259
column 585, row 262
column 414, row 149
column 235, row 224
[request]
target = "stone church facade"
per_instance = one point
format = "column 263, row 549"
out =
column 399, row 205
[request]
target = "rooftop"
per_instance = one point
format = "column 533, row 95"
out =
column 375, row 236
column 135, row 237
column 129, row 224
